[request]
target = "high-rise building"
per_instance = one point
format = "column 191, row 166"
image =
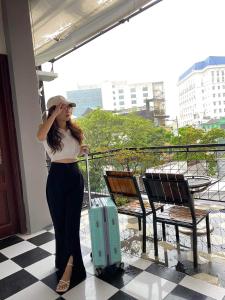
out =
column 202, row 92
column 85, row 99
column 120, row 95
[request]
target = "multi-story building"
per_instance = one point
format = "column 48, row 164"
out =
column 202, row 92
column 120, row 95
column 85, row 99
column 214, row 123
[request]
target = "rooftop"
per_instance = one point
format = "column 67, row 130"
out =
column 201, row 65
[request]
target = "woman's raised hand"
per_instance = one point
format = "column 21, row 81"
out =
column 59, row 108
column 84, row 149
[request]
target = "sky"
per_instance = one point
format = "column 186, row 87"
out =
column 157, row 45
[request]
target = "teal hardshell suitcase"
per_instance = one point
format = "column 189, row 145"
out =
column 104, row 231
column 105, row 235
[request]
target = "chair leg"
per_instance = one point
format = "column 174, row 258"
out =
column 155, row 237
column 139, row 224
column 164, row 239
column 164, row 231
column 178, row 243
column 144, row 235
column 208, row 233
column 177, row 234
column 195, row 245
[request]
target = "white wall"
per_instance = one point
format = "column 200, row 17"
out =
column 26, row 109
column 2, row 36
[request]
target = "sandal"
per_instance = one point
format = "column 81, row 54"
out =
column 59, row 288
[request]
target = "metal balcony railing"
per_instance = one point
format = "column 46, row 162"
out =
column 207, row 160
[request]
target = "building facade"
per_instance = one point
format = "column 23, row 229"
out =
column 214, row 123
column 120, row 96
column 202, row 92
column 85, row 99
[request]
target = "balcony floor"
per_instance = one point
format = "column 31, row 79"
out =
column 27, row 270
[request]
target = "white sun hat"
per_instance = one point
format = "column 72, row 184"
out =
column 59, row 99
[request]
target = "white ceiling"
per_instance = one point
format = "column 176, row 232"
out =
column 59, row 25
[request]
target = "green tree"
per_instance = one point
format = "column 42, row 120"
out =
column 105, row 130
column 187, row 135
column 212, row 136
column 99, row 128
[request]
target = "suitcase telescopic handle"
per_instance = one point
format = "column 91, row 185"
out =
column 88, row 178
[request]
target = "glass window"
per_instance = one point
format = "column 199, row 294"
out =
column 114, row 98
column 113, row 86
column 220, row 110
column 120, row 91
column 214, row 110
column 218, row 87
column 219, row 95
column 133, row 90
column 214, row 95
column 214, row 103
column 145, row 88
column 145, row 94
column 219, row 102
column 223, row 94
column 133, row 96
column 114, row 103
column 133, row 102
column 121, row 97
column 213, row 87
column 121, row 103
column 114, row 92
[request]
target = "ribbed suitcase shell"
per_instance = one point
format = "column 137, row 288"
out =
column 105, row 235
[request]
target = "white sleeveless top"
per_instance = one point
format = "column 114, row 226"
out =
column 70, row 149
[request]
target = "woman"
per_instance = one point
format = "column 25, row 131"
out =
column 62, row 140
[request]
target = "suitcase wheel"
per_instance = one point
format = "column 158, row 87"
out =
column 98, row 271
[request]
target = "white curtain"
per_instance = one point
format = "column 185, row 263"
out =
column 59, row 25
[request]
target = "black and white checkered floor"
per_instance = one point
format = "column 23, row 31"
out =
column 27, row 272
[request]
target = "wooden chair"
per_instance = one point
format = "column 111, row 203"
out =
column 173, row 189
column 124, row 184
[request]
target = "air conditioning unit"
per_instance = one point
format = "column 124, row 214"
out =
column 46, row 76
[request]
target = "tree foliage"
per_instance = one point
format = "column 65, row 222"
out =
column 189, row 135
column 105, row 130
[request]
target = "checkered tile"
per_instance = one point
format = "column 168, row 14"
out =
column 27, row 271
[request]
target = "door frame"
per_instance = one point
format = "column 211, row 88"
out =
column 10, row 138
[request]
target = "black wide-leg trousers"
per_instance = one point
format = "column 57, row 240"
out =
column 64, row 191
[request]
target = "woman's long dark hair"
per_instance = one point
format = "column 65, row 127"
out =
column 54, row 136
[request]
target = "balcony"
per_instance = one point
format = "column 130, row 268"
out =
column 191, row 160
column 27, row 261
